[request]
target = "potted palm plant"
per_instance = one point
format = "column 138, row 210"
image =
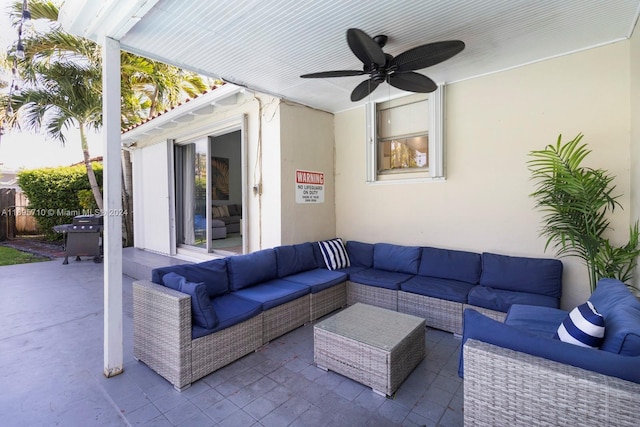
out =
column 576, row 201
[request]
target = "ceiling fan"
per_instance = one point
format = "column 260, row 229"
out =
column 397, row 71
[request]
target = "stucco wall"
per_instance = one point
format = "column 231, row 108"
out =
column 281, row 137
column 307, row 143
column 152, row 167
column 491, row 124
column 634, row 55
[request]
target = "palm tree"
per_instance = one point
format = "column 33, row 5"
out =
column 64, row 95
column 60, row 69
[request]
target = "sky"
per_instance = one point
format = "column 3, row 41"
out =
column 27, row 150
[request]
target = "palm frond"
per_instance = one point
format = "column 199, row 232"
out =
column 576, row 202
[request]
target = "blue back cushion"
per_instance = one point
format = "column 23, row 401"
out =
column 360, row 254
column 621, row 312
column 449, row 264
column 293, row 259
column 535, row 275
column 212, row 273
column 396, row 258
column 251, row 269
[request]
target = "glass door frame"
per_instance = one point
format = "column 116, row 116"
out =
column 233, row 124
column 178, row 216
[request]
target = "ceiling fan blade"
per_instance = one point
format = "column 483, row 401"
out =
column 341, row 73
column 412, row 82
column 363, row 46
column 363, row 89
column 427, row 55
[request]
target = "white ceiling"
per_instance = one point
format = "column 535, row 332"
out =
column 267, row 44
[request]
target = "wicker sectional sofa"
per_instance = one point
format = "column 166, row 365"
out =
column 438, row 284
column 253, row 298
column 193, row 319
column 516, row 373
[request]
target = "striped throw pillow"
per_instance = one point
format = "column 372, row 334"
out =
column 334, row 254
column 584, row 326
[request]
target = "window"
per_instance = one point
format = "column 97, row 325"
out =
column 404, row 139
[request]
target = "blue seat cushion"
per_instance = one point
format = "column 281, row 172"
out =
column 360, row 254
column 450, row 290
column 318, row 279
column 482, row 328
column 534, row 275
column 380, row 278
column 449, row 264
column 250, row 269
column 501, row 300
column 537, row 320
column 621, row 312
column 231, row 310
column 273, row 293
column 351, row 269
column 212, row 273
column 292, row 259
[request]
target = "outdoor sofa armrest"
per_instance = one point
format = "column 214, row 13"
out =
column 162, row 331
column 508, row 387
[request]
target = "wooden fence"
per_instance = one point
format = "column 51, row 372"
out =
column 15, row 218
column 25, row 220
column 7, row 214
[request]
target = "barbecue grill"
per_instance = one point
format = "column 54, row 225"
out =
column 83, row 237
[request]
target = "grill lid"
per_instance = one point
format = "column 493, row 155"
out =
column 88, row 220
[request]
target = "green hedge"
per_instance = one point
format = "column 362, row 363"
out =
column 56, row 195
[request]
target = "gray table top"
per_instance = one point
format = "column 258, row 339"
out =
column 374, row 326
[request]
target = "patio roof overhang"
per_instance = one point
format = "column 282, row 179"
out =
column 267, row 45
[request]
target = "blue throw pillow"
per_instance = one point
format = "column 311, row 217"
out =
column 583, row 326
column 334, row 254
column 202, row 312
column 173, row 281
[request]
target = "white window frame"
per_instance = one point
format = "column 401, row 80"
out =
column 436, row 145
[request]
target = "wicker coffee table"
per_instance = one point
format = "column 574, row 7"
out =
column 374, row 346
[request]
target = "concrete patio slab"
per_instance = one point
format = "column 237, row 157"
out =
column 51, row 340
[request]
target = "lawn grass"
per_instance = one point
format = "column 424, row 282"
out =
column 10, row 256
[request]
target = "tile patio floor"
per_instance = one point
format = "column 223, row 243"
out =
column 51, row 357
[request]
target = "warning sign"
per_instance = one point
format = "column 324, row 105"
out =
column 309, row 187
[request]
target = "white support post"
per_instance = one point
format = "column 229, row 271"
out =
column 112, row 185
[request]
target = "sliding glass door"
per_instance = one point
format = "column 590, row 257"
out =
column 191, row 193
column 209, row 193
